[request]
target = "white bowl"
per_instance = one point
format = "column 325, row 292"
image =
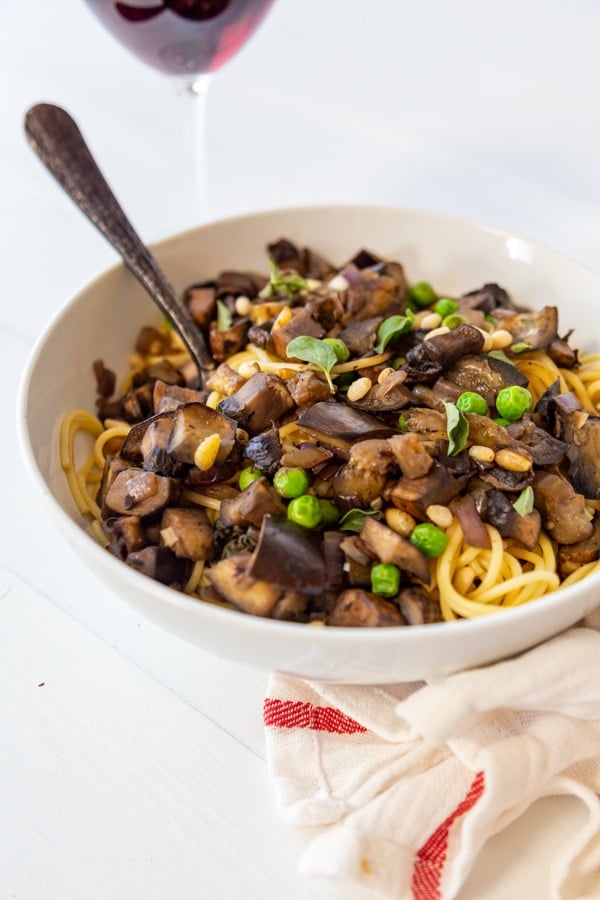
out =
column 102, row 321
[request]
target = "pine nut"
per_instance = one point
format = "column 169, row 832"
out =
column 213, row 399
column 248, row 368
column 243, row 305
column 501, row 339
column 431, row 320
column 399, row 521
column 359, row 388
column 481, row 454
column 283, row 318
column 339, row 283
column 439, row 515
column 512, row 461
column 385, row 373
column 487, row 340
column 207, row 452
column 435, row 332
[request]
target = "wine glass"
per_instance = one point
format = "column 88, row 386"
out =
column 188, row 40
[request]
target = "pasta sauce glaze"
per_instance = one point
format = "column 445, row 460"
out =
column 366, row 452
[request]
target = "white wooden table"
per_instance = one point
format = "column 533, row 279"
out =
column 132, row 765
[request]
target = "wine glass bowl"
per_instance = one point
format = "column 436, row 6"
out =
column 187, row 41
column 184, row 38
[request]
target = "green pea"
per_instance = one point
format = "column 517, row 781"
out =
column 247, row 476
column 330, row 514
column 512, row 402
column 445, row 307
column 500, row 421
column 305, row 510
column 402, row 424
column 423, row 294
column 339, row 348
column 453, row 321
column 385, row 579
column 472, row 402
column 291, row 482
column 429, row 539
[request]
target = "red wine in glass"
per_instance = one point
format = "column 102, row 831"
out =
column 188, row 40
column 182, row 37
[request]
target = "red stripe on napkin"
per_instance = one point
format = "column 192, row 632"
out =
column 296, row 714
column 427, row 873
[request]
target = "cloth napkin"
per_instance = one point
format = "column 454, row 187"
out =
column 398, row 787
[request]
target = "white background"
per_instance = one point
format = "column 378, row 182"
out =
column 137, row 770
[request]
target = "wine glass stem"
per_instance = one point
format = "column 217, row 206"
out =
column 196, row 90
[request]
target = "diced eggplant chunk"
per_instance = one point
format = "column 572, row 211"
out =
column 151, row 342
column 286, row 255
column 231, row 580
column 376, row 296
column 251, row 505
column 470, row 521
column 126, row 535
column 485, row 375
column 165, row 371
column 113, row 465
column 418, row 607
column 563, row 510
column 225, row 342
column 427, row 360
column 188, row 533
column 327, row 311
column 414, row 495
column 225, row 380
column 201, row 301
column 429, row 422
column 338, row 425
column 291, row 607
column 334, row 559
column 192, row 423
column 487, row 298
column 505, row 479
column 572, row 557
column 154, row 448
column 562, row 354
column 356, row 608
column 264, row 451
column 139, row 493
column 238, row 284
column 131, row 448
column 360, row 337
column 308, row 387
column 366, row 472
column 167, row 397
column 105, row 379
column 536, row 329
column 582, row 432
column 501, row 513
column 544, row 449
column 289, row 557
column 484, row 431
column 388, row 396
column 301, row 323
column 258, row 403
column 389, row 547
column 160, row 564
column 411, row 454
column 306, row 456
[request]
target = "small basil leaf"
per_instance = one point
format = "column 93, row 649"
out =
column 392, row 328
column 312, row 350
column 282, row 284
column 458, row 429
column 524, row 502
column 354, row 518
column 224, row 317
